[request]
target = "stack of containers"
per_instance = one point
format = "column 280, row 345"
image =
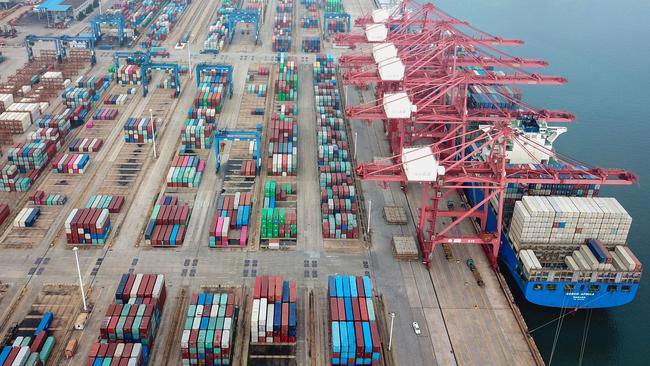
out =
column 278, row 222
column 338, row 195
column 197, row 134
column 33, row 109
column 213, row 86
column 248, row 168
column 92, row 82
column 105, row 114
column 129, row 75
column 159, row 30
column 489, row 97
column 87, row 226
column 569, row 220
column 273, row 316
column 43, row 199
column 333, row 6
column 338, row 24
column 58, row 121
column 130, row 354
column 139, row 130
column 185, row 171
column 27, row 217
column 167, row 82
column 49, row 134
column 119, row 99
column 168, row 222
column 355, row 336
column 286, row 84
column 12, row 181
column 209, row 329
column 142, row 289
column 5, row 101
column 70, row 163
column 159, row 52
column 75, row 97
column 217, row 35
column 31, row 155
column 103, row 201
column 310, row 21
column 129, row 327
column 311, row 44
column 15, row 122
column 86, row 144
column 281, row 40
column 259, row 89
column 211, row 90
column 32, row 348
column 233, row 212
column 132, row 323
column 283, row 141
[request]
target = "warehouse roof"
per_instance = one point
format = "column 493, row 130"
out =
column 53, row 5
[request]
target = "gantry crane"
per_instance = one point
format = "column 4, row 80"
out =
column 143, row 59
column 60, row 43
column 423, row 96
column 116, row 20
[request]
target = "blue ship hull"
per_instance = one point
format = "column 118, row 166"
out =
column 582, row 295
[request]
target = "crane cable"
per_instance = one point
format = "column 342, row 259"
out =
column 585, row 334
column 558, row 328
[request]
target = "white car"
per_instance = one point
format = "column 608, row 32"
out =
column 416, row 328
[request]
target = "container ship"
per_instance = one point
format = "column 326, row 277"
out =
column 562, row 244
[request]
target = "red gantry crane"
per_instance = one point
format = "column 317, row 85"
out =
column 442, row 142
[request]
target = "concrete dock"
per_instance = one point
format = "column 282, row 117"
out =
column 461, row 323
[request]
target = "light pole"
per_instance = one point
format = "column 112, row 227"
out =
column 369, row 208
column 153, row 130
column 81, row 282
column 390, row 336
column 189, row 59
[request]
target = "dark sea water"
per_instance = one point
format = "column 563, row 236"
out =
column 603, row 48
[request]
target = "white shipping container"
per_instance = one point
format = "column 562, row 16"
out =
column 625, row 258
column 120, row 346
column 22, row 356
column 17, row 341
column 255, row 314
column 263, row 312
column 571, row 263
column 158, row 286
column 136, row 285
column 269, row 321
column 225, row 339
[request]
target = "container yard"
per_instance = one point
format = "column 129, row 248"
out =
column 213, row 191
